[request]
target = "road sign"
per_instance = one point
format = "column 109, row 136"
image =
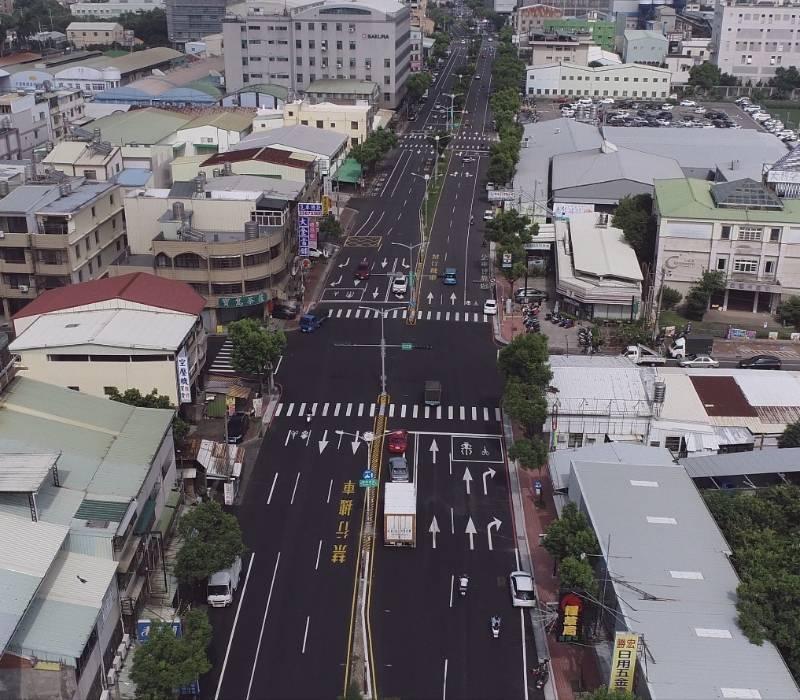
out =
column 501, row 195
column 309, row 209
column 368, row 483
column 368, row 474
column 506, row 260
column 406, row 346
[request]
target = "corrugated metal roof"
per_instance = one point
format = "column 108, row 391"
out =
column 24, row 472
column 645, row 552
column 601, row 251
column 92, row 509
column 302, row 138
column 721, row 396
column 770, row 388
column 28, row 198
column 27, row 551
column 770, row 461
column 217, row 458
column 600, row 391
column 681, row 401
column 107, row 328
column 61, row 619
column 778, row 414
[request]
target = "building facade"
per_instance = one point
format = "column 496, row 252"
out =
column 751, row 40
column 55, row 235
column 548, row 49
column 365, row 40
column 644, row 46
column 113, row 8
column 602, row 32
column 191, row 20
column 83, row 34
column 26, row 121
column 622, row 80
column 738, row 228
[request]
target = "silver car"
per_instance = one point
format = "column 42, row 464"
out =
column 398, row 469
column 523, row 594
column 699, row 361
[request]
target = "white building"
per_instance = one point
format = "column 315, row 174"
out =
column 113, row 8
column 24, row 125
column 623, row 80
column 353, row 120
column 83, row 34
column 215, row 132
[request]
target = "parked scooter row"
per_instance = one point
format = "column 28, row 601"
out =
column 559, row 320
column 541, row 674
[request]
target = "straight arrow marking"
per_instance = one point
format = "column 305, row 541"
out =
column 467, row 478
column 470, row 531
column 434, row 448
column 434, row 529
column 324, row 443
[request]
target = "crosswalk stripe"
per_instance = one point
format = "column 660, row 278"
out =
column 336, row 409
column 278, row 409
column 339, row 313
column 461, row 413
column 372, row 410
column 447, row 316
column 449, row 413
column 349, row 311
column 403, row 411
column 438, row 315
column 302, row 409
column 330, row 313
column 497, row 414
column 405, row 313
column 325, row 409
column 391, row 410
column 438, row 411
column 349, row 409
column 358, row 313
column 394, row 313
column 457, row 315
column 415, row 411
column 360, row 410
column 290, row 410
column 427, row 411
column 314, row 410
column 485, row 414
column 474, row 413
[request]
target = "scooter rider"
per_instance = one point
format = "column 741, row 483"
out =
column 495, row 625
column 463, row 582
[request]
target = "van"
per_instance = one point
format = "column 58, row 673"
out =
column 223, row 584
column 433, row 393
column 425, row 95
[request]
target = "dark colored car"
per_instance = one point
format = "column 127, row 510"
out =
column 761, row 362
column 362, row 271
column 311, row 322
column 237, row 427
column 285, row 311
column 527, row 294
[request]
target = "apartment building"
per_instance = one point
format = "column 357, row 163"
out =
column 55, row 234
column 83, row 34
column 113, row 8
column 739, row 228
column 26, row 121
column 553, row 48
column 231, row 238
column 191, row 20
column 293, row 47
column 65, row 107
column 620, row 80
column 751, row 40
column 94, row 160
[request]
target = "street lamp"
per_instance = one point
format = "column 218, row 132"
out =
column 411, row 249
column 382, row 313
column 427, row 178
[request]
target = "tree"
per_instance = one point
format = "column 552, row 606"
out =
column 570, row 535
column 330, row 229
column 525, row 403
column 134, row 397
column 377, row 145
column 634, row 216
column 705, row 76
column 255, row 349
column 417, row 84
column 531, row 453
column 670, row 297
column 517, row 269
column 526, row 358
column 699, row 296
column 165, row 663
column 790, row 436
column 212, row 541
column 785, row 79
column 150, row 27
column 789, row 311
column 577, row 574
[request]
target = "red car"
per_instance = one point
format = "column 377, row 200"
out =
column 398, row 441
column 362, row 271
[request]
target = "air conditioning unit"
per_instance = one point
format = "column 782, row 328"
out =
column 23, row 288
column 111, row 677
column 126, row 640
column 122, row 651
column 117, row 663
column 105, row 695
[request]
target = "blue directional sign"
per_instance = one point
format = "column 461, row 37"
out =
column 368, row 474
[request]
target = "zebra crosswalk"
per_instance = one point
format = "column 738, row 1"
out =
column 452, row 316
column 222, row 360
column 332, row 409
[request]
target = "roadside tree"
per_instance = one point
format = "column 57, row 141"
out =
column 570, row 535
column 789, row 311
column 577, row 574
column 134, row 397
column 526, row 404
column 531, row 453
column 526, row 358
column 705, row 76
column 256, row 349
column 634, row 216
column 212, row 539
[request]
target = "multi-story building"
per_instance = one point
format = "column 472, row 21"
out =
column 94, row 160
column 531, row 18
column 738, row 228
column 113, row 8
column 83, row 34
column 751, row 40
column 66, row 106
column 293, row 47
column 621, row 80
column 191, row 20
column 354, row 121
column 601, row 31
column 26, row 121
column 54, row 235
column 232, row 238
column 644, row 46
column 548, row 49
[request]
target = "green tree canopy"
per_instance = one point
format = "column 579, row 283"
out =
column 526, row 358
column 603, row 693
column 212, row 540
column 150, row 27
column 670, row 297
column 530, row 452
column 634, row 216
column 166, row 663
column 705, row 76
column 789, row 311
column 375, row 147
column 417, row 84
column 790, row 436
column 699, row 296
column 330, row 229
column 256, row 349
column 570, row 535
column 785, row 79
column 577, row 574
column 526, row 404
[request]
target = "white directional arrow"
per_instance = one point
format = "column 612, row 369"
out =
column 336, row 293
column 467, row 478
column 433, row 529
column 375, row 293
column 453, row 299
column 384, row 263
column 404, row 265
column 489, row 472
column 434, row 448
column 430, row 297
column 471, row 532
column 350, row 295
column 355, row 443
column 494, row 524
column 324, row 442
column 345, row 263
column 337, row 282
column 356, row 283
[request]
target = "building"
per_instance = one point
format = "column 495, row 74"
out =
column 263, row 161
column 328, row 147
column 672, row 584
column 111, row 9
column 354, row 121
column 231, row 238
column 744, row 470
column 189, row 20
column 295, row 45
column 343, row 92
column 625, row 80
column 601, row 31
column 135, row 331
column 644, row 46
column 738, row 228
column 782, row 176
column 547, row 49
column 751, row 40
column 67, row 107
column 504, row 7
column 581, row 8
column 530, row 19
column 215, row 132
column 94, row 160
column 24, row 125
column 684, row 54
column 55, row 235
column 104, row 472
column 83, row 34
column 597, row 273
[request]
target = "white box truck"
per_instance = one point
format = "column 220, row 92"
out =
column 223, row 584
column 400, row 515
column 644, row 356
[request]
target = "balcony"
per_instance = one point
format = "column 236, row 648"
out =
column 753, row 282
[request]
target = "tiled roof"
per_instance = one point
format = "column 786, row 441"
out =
column 138, row 287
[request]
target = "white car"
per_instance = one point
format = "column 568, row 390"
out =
column 667, row 107
column 490, row 307
column 585, row 101
column 567, row 112
column 523, row 594
column 318, row 253
column 607, row 101
column 700, row 110
column 750, row 109
column 488, row 215
column 399, row 285
column 699, row 361
column 688, row 103
column 761, row 116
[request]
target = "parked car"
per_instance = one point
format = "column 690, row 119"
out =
column 318, row 253
column 287, row 310
column 526, row 294
column 523, row 594
column 667, row 107
column 397, row 441
column 688, row 103
column 761, row 362
column 400, row 285
column 699, row 361
column 238, row 424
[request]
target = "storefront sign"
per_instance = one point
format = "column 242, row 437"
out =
column 500, row 195
column 313, row 233
column 302, row 236
column 538, row 246
column 570, row 606
column 375, row 36
column 563, row 210
column 623, row 662
column 309, row 209
column 246, row 300
column 184, row 380
column 506, row 260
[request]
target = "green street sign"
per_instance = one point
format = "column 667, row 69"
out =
column 368, row 483
column 406, row 346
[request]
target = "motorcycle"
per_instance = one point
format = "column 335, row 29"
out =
column 463, row 582
column 494, row 623
column 541, row 675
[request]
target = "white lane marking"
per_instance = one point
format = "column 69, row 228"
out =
column 474, row 413
column 449, row 413
column 330, row 488
column 302, row 409
column 497, row 414
column 305, row 636
column 458, row 316
column 319, row 550
column 414, row 411
column 360, row 410
column 290, row 410
column 452, row 523
column 403, row 411
column 263, row 623
column 438, row 412
column 372, row 410
column 336, row 409
column 272, row 488
column 325, row 409
column 358, row 313
column 452, row 588
column 349, row 311
column 233, row 629
column 427, row 411
column 294, row 490
column 391, row 410
column 438, row 315
column 314, row 409
column 461, row 413
column 485, row 413
column 444, row 685
column 278, row 366
column 349, row 409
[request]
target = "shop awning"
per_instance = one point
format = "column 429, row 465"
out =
column 349, row 171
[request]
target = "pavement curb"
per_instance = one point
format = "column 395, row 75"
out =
column 269, row 412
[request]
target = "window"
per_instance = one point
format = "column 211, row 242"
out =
column 299, row 77
column 298, row 43
column 338, row 26
column 387, row 80
column 320, row 124
column 333, row 125
column 746, row 265
column 774, row 235
column 298, row 60
column 338, row 45
column 93, row 213
column 387, row 62
column 387, row 96
column 312, row 61
column 673, row 444
column 97, row 236
column 324, row 26
column 91, row 175
column 726, row 233
column 312, row 44
column 91, row 271
column 575, row 440
column 297, row 26
column 74, row 388
column 352, row 45
column 769, row 267
column 354, row 126
column 722, row 263
column 109, row 390
column 311, row 26
column 749, row 233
